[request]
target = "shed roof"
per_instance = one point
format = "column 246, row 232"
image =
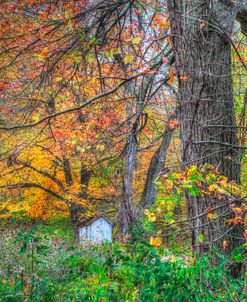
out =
column 86, row 222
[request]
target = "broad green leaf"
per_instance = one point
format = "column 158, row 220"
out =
column 201, row 238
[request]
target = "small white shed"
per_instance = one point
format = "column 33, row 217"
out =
column 96, row 230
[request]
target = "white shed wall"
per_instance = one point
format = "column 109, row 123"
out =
column 98, row 231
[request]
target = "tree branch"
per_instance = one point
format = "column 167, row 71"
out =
column 86, row 103
column 44, row 173
column 32, row 185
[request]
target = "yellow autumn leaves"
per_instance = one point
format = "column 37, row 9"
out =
column 217, row 184
column 223, row 186
column 192, row 171
column 155, row 241
column 150, row 215
column 197, row 181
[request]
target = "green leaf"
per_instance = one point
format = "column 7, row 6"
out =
column 212, row 177
column 95, row 40
column 195, row 178
column 201, row 238
column 206, row 275
column 171, row 176
column 23, row 248
column 170, row 207
column 197, row 298
column 238, row 258
column 194, row 191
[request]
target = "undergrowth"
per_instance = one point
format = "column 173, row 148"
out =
column 37, row 265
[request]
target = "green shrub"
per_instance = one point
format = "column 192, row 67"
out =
column 46, row 271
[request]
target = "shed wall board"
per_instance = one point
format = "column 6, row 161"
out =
column 98, row 231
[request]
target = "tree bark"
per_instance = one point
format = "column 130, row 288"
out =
column 76, row 210
column 157, row 163
column 200, row 33
column 131, row 151
column 242, row 15
column 127, row 190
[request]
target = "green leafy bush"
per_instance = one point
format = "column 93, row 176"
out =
column 135, row 271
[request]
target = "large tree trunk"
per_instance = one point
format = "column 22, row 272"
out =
column 200, row 33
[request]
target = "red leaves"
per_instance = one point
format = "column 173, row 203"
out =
column 2, row 87
column 12, row 7
column 44, row 53
column 173, row 124
column 236, row 220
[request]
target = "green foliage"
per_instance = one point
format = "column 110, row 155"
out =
column 42, row 270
